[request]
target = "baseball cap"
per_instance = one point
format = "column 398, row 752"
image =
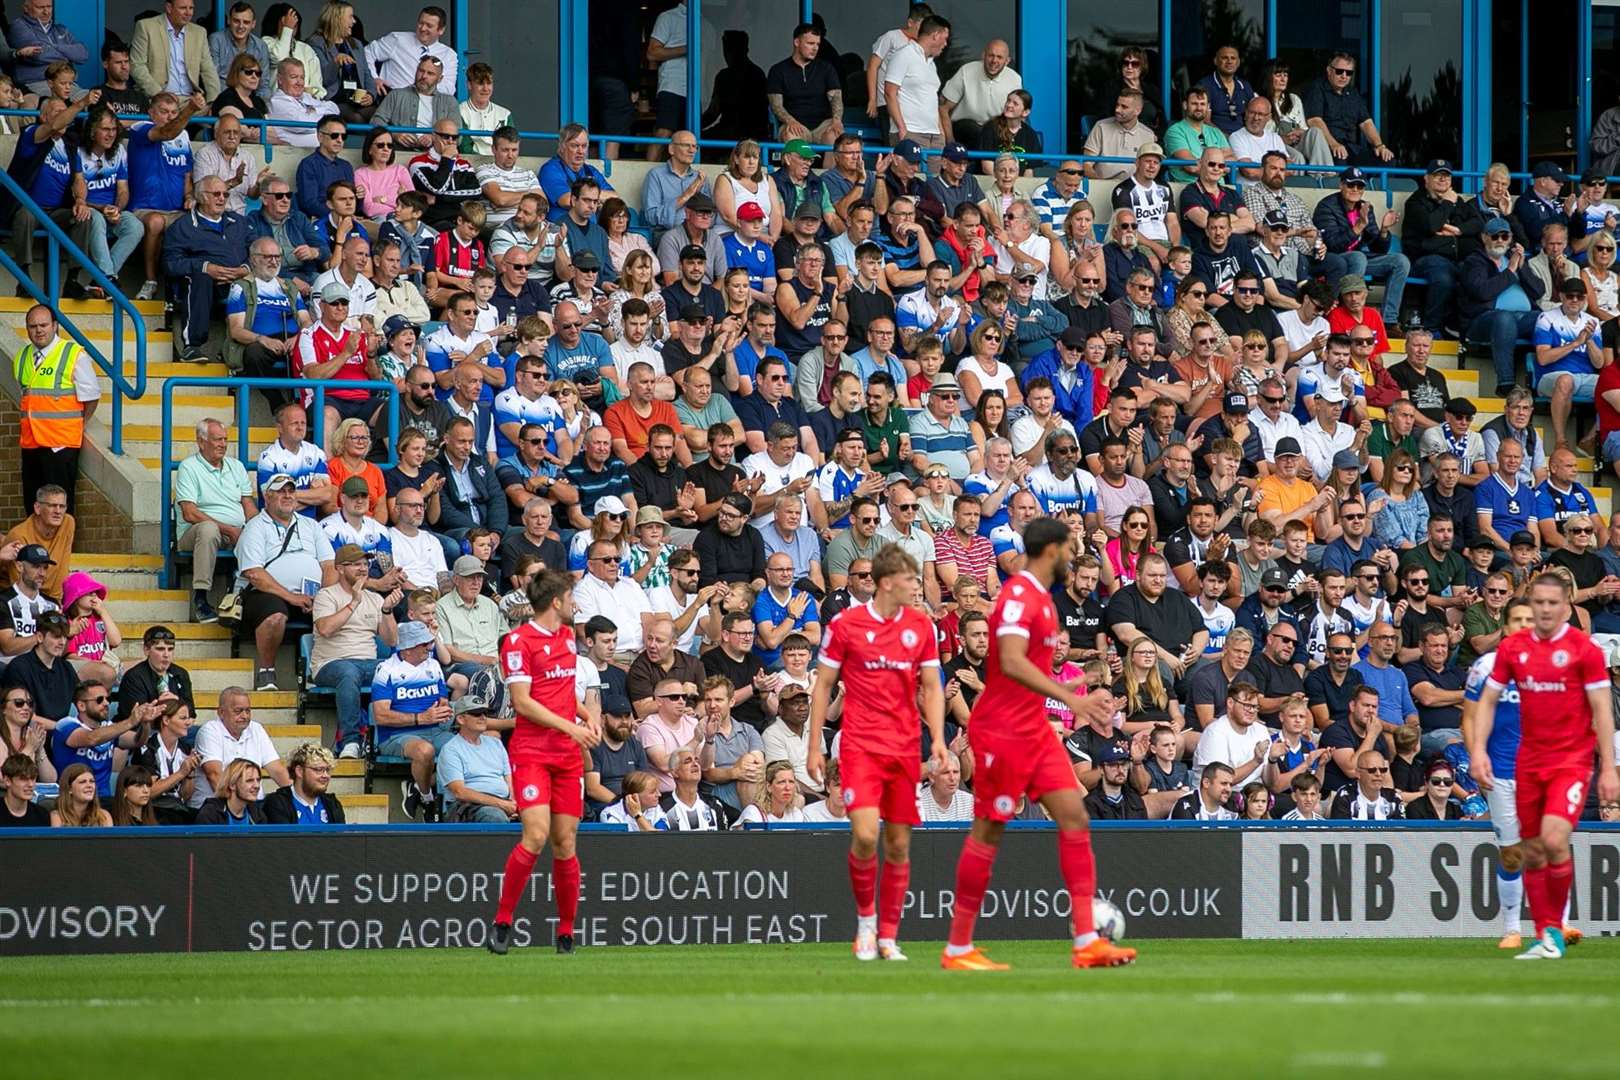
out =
column 1113, row 754
column 1436, row 166
column 1594, row 176
column 792, row 690
column 355, row 485
column 739, row 502
column 468, row 566
column 807, row 210
column 347, row 554
column 397, row 324
column 1347, row 459
column 587, row 260
column 1329, row 390
column 954, row 151
column 1522, row 538
column 750, row 211
column 615, row 703
column 610, row 504
column 694, row 251
column 1498, row 226
column 1476, row 543
column 1287, row 445
column 1353, row 175
column 1352, row 283
column 908, row 150
column 694, row 313
column 700, row 204
column 334, row 290
column 1544, row 169
column 1275, row 578
column 799, row 147
column 1236, row 402
column 1150, row 149
column 1276, row 219
column 36, row 554
column 413, row 635
column 1073, row 337
column 280, row 480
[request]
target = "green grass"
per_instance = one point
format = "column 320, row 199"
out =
column 1188, row 1008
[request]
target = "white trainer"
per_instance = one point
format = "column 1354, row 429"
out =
column 866, row 945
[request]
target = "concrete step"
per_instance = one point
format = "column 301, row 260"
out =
column 83, row 312
column 106, row 560
column 187, row 410
column 287, row 737
column 122, row 582
column 348, row 779
column 365, row 809
column 152, row 605
column 159, row 370
column 159, row 345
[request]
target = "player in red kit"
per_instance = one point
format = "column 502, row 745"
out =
column 554, row 732
column 884, row 653
column 1564, row 709
column 1016, row 753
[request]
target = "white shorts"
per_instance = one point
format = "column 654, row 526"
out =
column 1504, row 812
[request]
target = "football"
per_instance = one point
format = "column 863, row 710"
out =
column 1108, row 919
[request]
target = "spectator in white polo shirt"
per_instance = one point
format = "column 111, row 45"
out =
column 601, row 591
column 233, row 734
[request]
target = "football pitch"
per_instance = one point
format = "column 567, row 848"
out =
column 1187, row 1008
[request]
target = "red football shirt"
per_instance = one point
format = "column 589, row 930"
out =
column 545, row 660
column 1608, row 416
column 1553, row 677
column 880, row 662
column 1005, row 709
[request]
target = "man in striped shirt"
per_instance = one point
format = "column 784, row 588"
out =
column 939, row 434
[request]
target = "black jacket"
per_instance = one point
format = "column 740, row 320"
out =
column 729, row 558
column 1332, row 220
column 1482, row 282
column 140, row 685
column 213, row 812
column 279, row 810
column 455, row 513
column 1425, row 215
column 1129, row 808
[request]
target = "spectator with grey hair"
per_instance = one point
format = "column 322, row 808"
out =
column 1021, row 249
column 234, row 735
column 306, row 801
column 473, row 771
column 942, row 797
column 213, row 500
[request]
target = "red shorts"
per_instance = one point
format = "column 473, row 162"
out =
column 557, row 784
column 886, row 781
column 1002, row 771
column 1557, row 793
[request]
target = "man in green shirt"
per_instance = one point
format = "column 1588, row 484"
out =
column 213, row 499
column 1189, row 137
column 1482, row 622
column 1448, row 570
column 470, row 623
column 888, row 433
column 1395, row 432
column 859, row 541
column 700, row 408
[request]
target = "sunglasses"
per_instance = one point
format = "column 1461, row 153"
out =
column 1439, row 781
column 1273, row 400
column 1344, row 73
column 1247, row 290
column 252, row 71
column 905, row 508
column 20, row 702
column 1126, row 226
column 1417, row 581
column 1375, row 769
column 1198, row 294
column 1340, row 650
column 1580, row 532
column 690, row 699
column 1355, row 517
column 1497, row 592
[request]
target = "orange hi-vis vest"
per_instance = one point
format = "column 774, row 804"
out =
column 52, row 414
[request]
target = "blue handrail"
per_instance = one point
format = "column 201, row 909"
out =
column 56, row 242
column 244, row 452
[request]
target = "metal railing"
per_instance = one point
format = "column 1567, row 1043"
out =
column 57, row 242
column 244, row 451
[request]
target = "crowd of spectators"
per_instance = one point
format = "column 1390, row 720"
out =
column 1286, row 551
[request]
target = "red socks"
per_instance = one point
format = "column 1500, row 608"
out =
column 565, row 883
column 1079, row 869
column 519, row 864
column 1538, row 889
column 972, row 879
column 1560, row 880
column 863, row 875
column 892, row 898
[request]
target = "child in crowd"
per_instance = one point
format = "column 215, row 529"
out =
column 1166, row 771
column 796, row 661
column 482, row 543
column 483, row 287
column 1306, row 790
column 1177, row 265
column 930, row 356
column 416, row 238
column 1256, row 803
column 1292, row 751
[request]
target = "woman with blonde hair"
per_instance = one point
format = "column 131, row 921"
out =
column 1077, row 254
column 779, row 799
column 983, row 369
column 610, row 525
column 414, row 470
column 237, row 800
column 577, row 416
column 745, row 181
column 343, row 64
column 1399, row 511
column 77, row 806
column 1602, row 283
column 638, row 281
column 1148, row 702
column 345, row 457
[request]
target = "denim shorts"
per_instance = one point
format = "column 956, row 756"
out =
column 394, row 745
column 1585, row 384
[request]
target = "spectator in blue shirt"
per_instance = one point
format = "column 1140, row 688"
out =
column 782, row 609
column 1395, row 706
column 584, row 234
column 1064, row 366
column 1503, row 503
column 320, row 170
column 576, row 354
column 1228, row 94
column 746, row 249
column 558, row 175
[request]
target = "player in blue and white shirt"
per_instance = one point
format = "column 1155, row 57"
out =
column 1330, row 373
column 519, row 405
column 931, row 311
column 104, row 176
column 1502, row 748
column 1569, row 350
column 292, row 455
column 410, row 702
